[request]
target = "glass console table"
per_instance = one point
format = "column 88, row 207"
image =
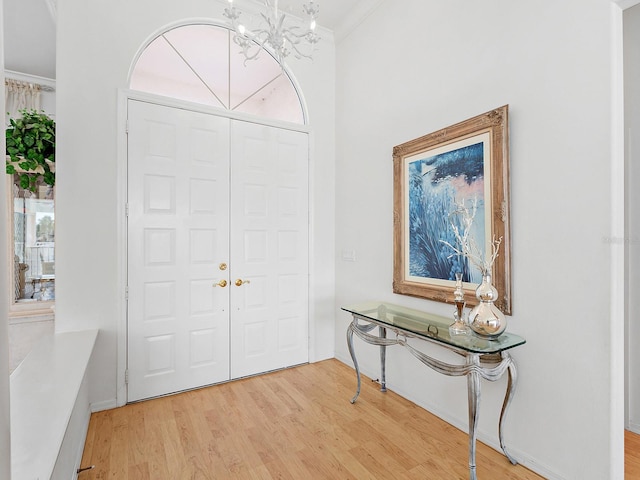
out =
column 488, row 359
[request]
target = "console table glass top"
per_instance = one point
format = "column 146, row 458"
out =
column 430, row 326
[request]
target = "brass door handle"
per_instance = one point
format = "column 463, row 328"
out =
column 240, row 282
column 221, row 283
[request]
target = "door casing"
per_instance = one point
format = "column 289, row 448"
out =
column 124, row 95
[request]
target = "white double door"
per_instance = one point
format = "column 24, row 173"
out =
column 217, row 249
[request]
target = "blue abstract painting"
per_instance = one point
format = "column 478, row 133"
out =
column 435, row 184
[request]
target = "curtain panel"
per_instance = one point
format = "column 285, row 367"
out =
column 19, row 95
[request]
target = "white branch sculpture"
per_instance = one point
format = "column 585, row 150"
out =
column 467, row 246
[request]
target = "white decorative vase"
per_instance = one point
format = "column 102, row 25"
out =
column 485, row 319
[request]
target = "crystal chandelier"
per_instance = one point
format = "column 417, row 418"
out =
column 275, row 34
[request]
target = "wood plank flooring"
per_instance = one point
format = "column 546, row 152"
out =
column 631, row 455
column 295, row 424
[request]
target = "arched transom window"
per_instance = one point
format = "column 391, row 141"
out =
column 200, row 63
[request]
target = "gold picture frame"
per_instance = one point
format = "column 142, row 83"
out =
column 431, row 174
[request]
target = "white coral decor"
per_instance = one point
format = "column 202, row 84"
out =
column 466, row 244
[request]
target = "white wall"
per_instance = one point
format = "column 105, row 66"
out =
column 5, row 421
column 412, row 70
column 97, row 42
column 632, row 243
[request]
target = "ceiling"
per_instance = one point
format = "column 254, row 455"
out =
column 30, row 29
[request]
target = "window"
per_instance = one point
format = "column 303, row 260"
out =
column 200, row 63
column 33, row 250
column 30, row 216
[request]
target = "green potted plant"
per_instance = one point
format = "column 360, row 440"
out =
column 31, row 146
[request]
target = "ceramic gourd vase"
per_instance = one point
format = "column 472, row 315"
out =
column 485, row 319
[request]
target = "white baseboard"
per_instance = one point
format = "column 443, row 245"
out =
column 321, row 358
column 103, row 405
column 634, row 427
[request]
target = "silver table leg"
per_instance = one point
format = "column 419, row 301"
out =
column 473, row 388
column 353, row 357
column 381, row 340
column 383, row 361
column 512, row 378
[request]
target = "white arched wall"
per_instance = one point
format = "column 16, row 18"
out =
column 94, row 59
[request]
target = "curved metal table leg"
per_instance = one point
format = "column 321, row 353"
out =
column 383, row 361
column 511, row 386
column 473, row 389
column 353, row 357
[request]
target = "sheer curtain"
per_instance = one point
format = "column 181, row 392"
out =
column 18, row 96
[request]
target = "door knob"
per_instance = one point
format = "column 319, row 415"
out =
column 221, row 283
column 240, row 282
column 222, row 266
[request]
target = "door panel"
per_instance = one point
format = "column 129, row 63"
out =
column 178, row 235
column 269, row 248
column 185, row 183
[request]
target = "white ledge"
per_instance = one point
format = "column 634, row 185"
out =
column 44, row 390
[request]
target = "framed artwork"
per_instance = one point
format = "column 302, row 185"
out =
column 464, row 164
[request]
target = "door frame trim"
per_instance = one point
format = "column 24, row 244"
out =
column 124, row 96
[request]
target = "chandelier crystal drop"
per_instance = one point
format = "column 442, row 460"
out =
column 275, row 34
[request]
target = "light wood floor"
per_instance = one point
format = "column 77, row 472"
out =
column 294, row 424
column 631, row 455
